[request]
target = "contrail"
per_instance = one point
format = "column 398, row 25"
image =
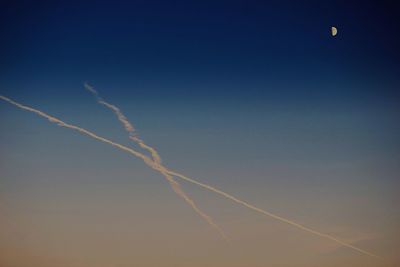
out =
column 150, row 163
column 125, row 122
column 244, row 203
column 156, row 158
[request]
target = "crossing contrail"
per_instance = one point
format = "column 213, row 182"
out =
column 156, row 158
column 150, row 163
column 125, row 122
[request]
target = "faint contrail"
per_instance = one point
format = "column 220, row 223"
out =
column 150, row 163
column 156, row 158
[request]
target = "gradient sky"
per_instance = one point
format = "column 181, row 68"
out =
column 253, row 97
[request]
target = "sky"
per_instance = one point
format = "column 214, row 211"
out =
column 256, row 98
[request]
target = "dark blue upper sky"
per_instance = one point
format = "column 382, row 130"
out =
column 265, row 48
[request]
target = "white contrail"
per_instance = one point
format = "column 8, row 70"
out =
column 125, row 122
column 156, row 158
column 244, row 203
column 150, row 163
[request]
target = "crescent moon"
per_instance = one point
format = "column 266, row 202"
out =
column 333, row 31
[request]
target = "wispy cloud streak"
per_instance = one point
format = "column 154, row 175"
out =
column 149, row 162
column 156, row 158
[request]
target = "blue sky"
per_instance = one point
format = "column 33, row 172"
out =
column 255, row 98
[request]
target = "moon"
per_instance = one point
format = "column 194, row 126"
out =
column 333, row 31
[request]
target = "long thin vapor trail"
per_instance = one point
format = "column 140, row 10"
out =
column 156, row 158
column 150, row 163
